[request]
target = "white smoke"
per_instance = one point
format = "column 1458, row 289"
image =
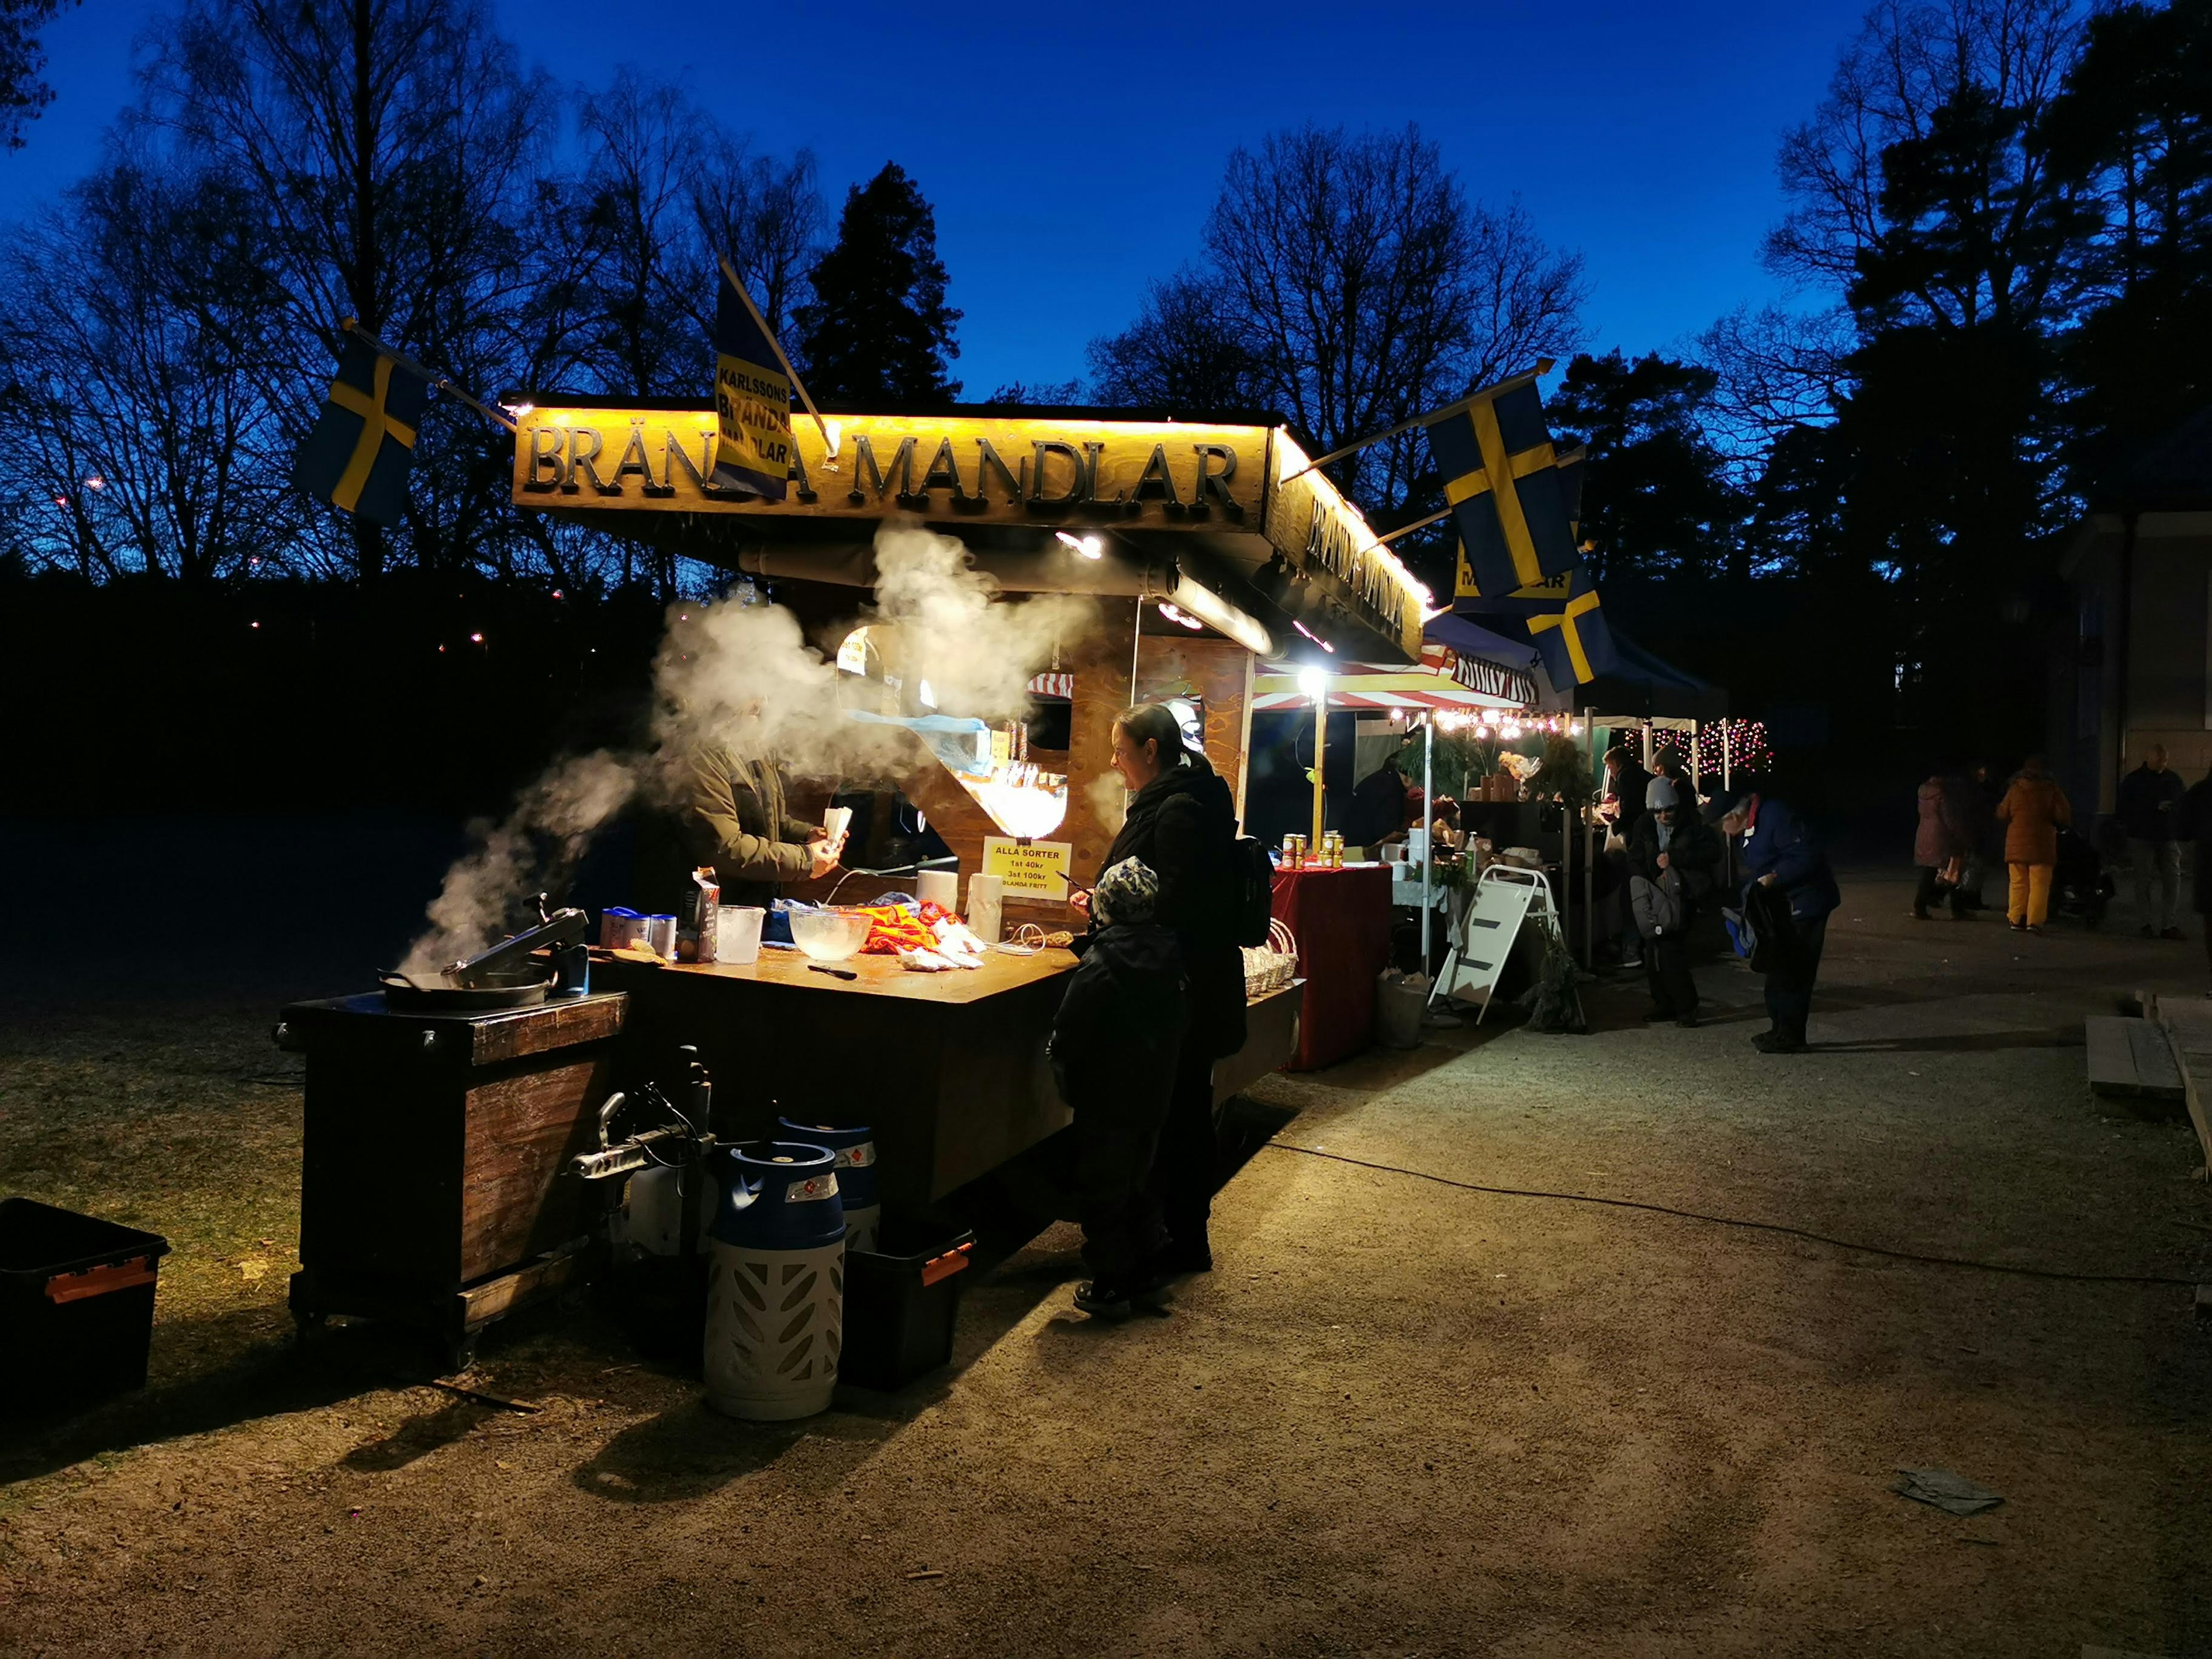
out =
column 742, row 675
column 1109, row 800
column 534, row 850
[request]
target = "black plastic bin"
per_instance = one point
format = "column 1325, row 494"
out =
column 902, row 1300
column 77, row 1304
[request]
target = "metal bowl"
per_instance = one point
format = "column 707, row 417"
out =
column 830, row 935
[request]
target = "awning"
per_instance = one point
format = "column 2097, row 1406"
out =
column 1443, row 681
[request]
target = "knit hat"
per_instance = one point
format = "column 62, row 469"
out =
column 1660, row 794
column 1129, row 893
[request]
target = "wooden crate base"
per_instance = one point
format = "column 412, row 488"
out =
column 454, row 1319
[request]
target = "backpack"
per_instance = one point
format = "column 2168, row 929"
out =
column 1256, row 907
column 1658, row 905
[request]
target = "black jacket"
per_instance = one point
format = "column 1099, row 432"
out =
column 2143, row 793
column 1693, row 852
column 1122, row 1022
column 1629, row 787
column 1182, row 824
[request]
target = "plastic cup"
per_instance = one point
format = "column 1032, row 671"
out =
column 739, row 933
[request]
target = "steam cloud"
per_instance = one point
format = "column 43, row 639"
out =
column 1109, row 800
column 744, row 674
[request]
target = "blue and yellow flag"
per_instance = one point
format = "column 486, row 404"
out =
column 1563, row 617
column 1571, row 634
column 357, row 455
column 752, row 401
column 1501, row 477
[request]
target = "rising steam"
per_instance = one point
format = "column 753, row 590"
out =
column 742, row 675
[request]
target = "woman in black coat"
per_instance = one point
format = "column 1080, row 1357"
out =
column 1181, row 823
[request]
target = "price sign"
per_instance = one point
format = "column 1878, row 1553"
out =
column 1036, row 869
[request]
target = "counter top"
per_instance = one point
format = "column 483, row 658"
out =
column 880, row 975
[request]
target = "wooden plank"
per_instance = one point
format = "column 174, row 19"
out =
column 1271, row 1039
column 878, row 976
column 480, row 1304
column 518, row 1197
column 2189, row 1031
column 2130, row 1058
column 554, row 1026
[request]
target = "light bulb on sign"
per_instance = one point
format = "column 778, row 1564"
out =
column 1176, row 616
column 1090, row 547
column 1314, row 681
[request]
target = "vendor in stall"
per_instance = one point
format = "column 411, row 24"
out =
column 727, row 808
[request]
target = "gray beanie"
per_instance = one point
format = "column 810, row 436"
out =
column 1127, row 894
column 1659, row 793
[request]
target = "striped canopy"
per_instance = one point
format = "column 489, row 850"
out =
column 1360, row 686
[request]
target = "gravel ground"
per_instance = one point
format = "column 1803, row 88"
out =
column 1400, row 1418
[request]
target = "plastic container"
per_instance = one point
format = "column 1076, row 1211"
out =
column 855, row 1150
column 986, row 894
column 739, row 930
column 77, row 1304
column 939, row 887
column 775, row 1282
column 901, row 1303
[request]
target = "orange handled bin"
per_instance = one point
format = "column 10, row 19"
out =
column 77, row 1304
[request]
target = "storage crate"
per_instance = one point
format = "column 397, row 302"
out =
column 77, row 1304
column 902, row 1300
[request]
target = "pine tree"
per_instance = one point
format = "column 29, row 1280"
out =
column 877, row 333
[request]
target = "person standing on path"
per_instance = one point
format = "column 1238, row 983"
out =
column 1677, row 855
column 1113, row 1050
column 2150, row 817
column 2031, row 812
column 1779, row 855
column 1181, row 824
column 2197, row 826
column 1627, row 786
column 1940, row 845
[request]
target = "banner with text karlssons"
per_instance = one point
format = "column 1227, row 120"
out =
column 752, row 404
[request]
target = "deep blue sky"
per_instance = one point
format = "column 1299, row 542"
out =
column 1071, row 158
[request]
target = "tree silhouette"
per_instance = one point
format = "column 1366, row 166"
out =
column 878, row 331
column 23, row 93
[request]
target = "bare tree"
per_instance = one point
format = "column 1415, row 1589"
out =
column 1913, row 60
column 765, row 214
column 1349, row 285
column 1778, row 369
column 390, row 145
column 128, row 336
column 1186, row 351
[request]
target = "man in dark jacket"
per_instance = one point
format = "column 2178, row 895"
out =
column 1114, row 1047
column 2150, row 817
column 1181, row 824
column 1778, row 852
column 1627, row 786
column 1676, row 852
column 725, row 807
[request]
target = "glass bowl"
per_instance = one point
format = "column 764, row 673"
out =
column 828, row 935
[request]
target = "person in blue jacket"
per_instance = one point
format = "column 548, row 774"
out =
column 1775, row 850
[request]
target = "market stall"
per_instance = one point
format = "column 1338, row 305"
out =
column 1200, row 547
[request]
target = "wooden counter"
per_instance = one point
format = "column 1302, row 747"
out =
column 949, row 1069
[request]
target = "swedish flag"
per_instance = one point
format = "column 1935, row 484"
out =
column 356, row 457
column 1571, row 633
column 752, row 401
column 1501, row 477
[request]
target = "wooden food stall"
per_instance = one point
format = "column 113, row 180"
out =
column 1203, row 545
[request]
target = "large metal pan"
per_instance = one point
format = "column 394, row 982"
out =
column 523, row 985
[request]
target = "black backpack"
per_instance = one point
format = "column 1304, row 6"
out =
column 1256, row 907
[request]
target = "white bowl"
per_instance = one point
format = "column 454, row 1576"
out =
column 828, row 935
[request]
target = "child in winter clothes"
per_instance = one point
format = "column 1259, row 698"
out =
column 1114, row 1047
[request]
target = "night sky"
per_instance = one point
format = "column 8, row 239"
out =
column 1071, row 158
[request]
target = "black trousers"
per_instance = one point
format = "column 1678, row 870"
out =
column 1931, row 893
column 1790, row 995
column 1115, row 1199
column 1185, row 1166
column 1667, row 972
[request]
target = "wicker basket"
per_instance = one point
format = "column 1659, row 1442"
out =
column 1272, row 966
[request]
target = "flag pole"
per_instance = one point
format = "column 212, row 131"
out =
column 443, row 382
column 829, row 443
column 1543, row 368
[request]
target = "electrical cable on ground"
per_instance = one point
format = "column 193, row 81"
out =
column 1736, row 1221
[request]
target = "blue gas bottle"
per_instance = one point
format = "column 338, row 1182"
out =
column 855, row 1148
column 775, row 1284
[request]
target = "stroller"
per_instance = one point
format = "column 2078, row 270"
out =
column 2081, row 885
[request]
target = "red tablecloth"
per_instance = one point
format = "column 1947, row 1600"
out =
column 1342, row 920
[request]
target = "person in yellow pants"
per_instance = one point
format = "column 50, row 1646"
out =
column 2031, row 812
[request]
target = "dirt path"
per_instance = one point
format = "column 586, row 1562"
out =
column 1401, row 1417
